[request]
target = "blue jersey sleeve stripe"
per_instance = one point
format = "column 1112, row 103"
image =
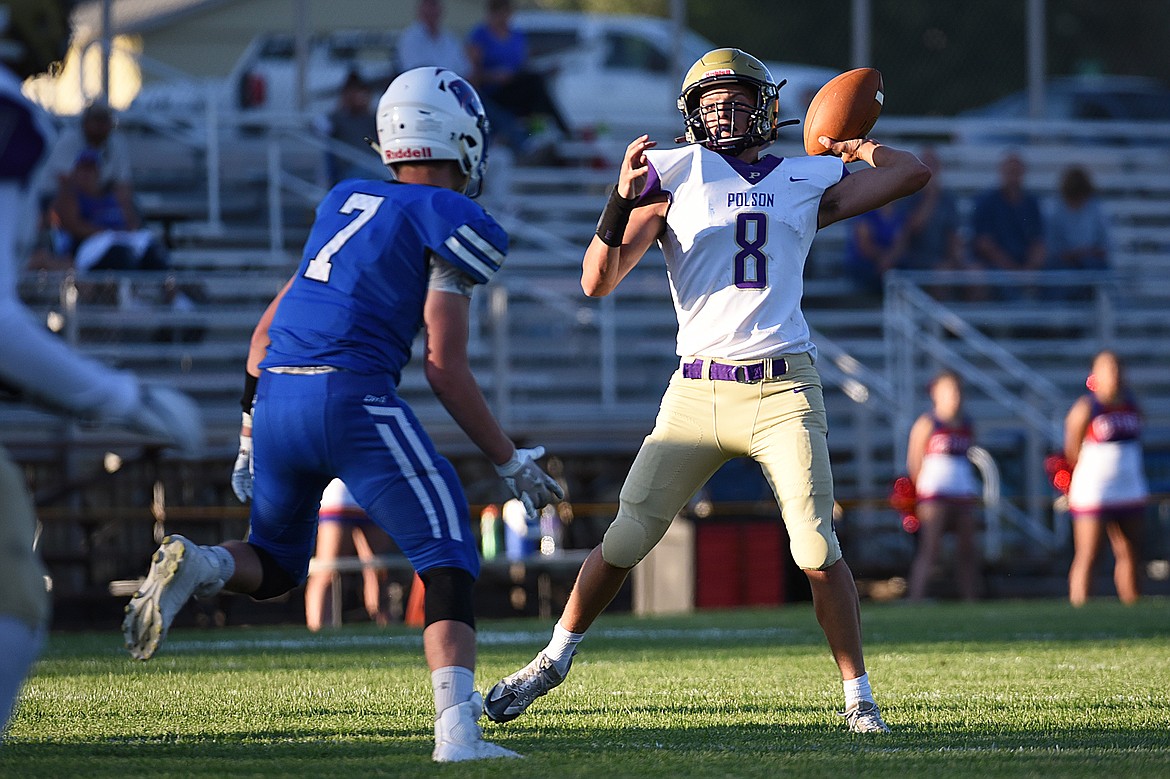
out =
column 494, row 255
column 468, row 258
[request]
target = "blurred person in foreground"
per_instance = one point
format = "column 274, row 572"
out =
column 947, row 489
column 383, row 260
column 35, row 365
column 735, row 227
column 1108, row 492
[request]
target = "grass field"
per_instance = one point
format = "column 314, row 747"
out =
column 996, row 689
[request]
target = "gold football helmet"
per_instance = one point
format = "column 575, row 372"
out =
column 723, row 66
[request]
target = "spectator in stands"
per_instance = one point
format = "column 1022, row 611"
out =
column 933, row 240
column 1078, row 231
column 96, row 133
column 344, row 528
column 1007, row 226
column 95, row 224
column 351, row 123
column 427, row 42
column 512, row 93
column 1108, row 492
column 877, row 244
column 946, row 487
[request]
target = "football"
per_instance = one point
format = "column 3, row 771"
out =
column 844, row 109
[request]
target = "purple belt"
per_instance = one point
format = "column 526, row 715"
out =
column 744, row 374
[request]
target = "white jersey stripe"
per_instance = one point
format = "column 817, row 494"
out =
column 469, row 257
column 493, row 254
column 413, row 477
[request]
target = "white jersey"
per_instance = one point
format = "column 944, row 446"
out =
column 737, row 236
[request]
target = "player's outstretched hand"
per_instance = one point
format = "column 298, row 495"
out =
column 528, row 482
column 632, row 178
column 242, row 470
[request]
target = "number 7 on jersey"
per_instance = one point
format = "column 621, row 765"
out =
column 366, row 206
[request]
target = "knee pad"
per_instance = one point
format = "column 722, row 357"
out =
column 813, row 550
column 629, row 539
column 448, row 596
column 274, row 579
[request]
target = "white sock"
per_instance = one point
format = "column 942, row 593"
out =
column 452, row 685
column 857, row 690
column 561, row 647
column 225, row 561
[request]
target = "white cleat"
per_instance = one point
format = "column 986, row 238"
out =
column 458, row 736
column 865, row 717
column 177, row 570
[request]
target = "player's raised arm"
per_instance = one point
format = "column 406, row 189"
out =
column 627, row 227
column 894, row 173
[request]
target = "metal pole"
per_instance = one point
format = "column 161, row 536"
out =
column 275, row 207
column 106, row 48
column 1037, row 58
column 860, row 54
column 678, row 24
column 214, row 207
column 302, row 53
column 501, row 354
column 607, row 335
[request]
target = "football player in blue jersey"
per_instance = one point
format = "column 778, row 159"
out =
column 383, row 259
column 35, row 365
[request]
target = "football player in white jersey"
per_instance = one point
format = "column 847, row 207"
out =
column 735, row 228
column 35, row 365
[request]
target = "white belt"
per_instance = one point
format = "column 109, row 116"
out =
column 302, row 370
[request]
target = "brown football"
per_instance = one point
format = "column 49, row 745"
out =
column 844, row 109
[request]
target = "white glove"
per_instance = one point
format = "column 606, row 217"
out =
column 528, row 483
column 242, row 470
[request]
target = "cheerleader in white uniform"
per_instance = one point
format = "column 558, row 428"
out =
column 946, row 487
column 1108, row 492
column 343, row 528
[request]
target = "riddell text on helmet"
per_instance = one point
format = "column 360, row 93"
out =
column 408, row 154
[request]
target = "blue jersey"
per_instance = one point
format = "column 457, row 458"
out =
column 357, row 300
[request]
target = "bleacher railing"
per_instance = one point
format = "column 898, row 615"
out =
column 924, row 335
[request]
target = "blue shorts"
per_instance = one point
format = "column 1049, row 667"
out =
column 308, row 430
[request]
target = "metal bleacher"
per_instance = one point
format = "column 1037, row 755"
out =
column 584, row 376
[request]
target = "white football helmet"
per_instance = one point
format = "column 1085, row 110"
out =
column 434, row 114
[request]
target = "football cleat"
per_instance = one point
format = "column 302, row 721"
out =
column 458, row 736
column 178, row 570
column 513, row 694
column 865, row 717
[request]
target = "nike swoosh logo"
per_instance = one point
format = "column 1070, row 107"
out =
column 793, row 178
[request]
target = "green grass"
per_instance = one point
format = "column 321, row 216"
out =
column 996, row 689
